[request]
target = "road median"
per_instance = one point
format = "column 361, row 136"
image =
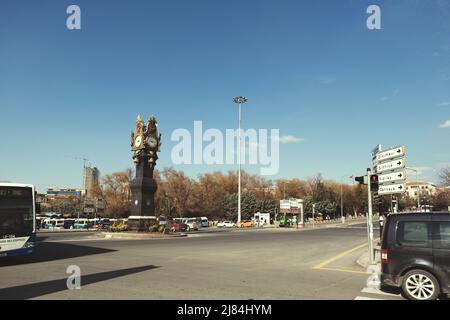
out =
column 138, row 235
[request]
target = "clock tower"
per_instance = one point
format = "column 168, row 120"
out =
column 145, row 144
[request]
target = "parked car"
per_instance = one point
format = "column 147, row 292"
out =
column 415, row 254
column 176, row 226
column 204, row 222
column 246, row 224
column 226, row 224
column 105, row 224
column 192, row 224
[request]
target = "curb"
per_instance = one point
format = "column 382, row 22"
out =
column 66, row 231
column 363, row 260
column 136, row 236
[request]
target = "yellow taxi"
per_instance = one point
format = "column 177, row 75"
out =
column 246, row 224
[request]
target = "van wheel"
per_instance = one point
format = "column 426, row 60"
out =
column 188, row 229
column 420, row 285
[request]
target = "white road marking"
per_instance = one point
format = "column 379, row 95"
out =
column 365, row 298
column 377, row 291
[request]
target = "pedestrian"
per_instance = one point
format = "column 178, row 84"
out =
column 381, row 221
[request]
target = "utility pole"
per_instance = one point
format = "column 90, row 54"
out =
column 302, row 218
column 369, row 219
column 418, row 187
column 313, row 212
column 392, row 203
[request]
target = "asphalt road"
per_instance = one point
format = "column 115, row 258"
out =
column 240, row 264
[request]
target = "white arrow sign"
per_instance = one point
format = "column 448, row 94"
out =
column 391, row 153
column 391, row 189
column 391, row 165
column 392, row 177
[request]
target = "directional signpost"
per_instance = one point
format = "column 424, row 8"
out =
column 392, row 177
column 391, row 153
column 390, row 166
column 391, row 189
column 389, row 173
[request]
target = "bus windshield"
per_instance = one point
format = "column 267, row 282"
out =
column 16, row 212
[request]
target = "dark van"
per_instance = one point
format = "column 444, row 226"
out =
column 68, row 223
column 415, row 254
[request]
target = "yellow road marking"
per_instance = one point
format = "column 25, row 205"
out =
column 344, row 270
column 336, row 257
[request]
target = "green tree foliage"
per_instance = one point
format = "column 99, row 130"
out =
column 326, row 207
column 441, row 200
column 249, row 205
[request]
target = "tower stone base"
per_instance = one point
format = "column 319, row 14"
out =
column 143, row 189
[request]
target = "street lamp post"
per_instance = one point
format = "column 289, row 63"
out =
column 342, row 204
column 240, row 101
column 418, row 187
column 342, row 200
column 313, row 213
column 369, row 218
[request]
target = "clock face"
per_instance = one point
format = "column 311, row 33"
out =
column 152, row 142
column 138, row 141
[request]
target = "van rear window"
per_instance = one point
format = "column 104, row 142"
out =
column 415, row 234
column 443, row 239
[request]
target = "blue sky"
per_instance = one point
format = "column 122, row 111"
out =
column 310, row 68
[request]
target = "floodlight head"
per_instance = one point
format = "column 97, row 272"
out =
column 240, row 100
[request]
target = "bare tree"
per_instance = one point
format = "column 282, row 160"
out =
column 180, row 189
column 116, row 193
column 444, row 175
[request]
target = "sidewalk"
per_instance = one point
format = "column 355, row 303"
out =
column 335, row 223
column 373, row 281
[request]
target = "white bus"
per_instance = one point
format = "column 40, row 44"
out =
column 17, row 219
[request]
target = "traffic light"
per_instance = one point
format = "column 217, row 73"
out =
column 374, row 183
column 361, row 179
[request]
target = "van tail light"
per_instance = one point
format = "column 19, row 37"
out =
column 384, row 256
